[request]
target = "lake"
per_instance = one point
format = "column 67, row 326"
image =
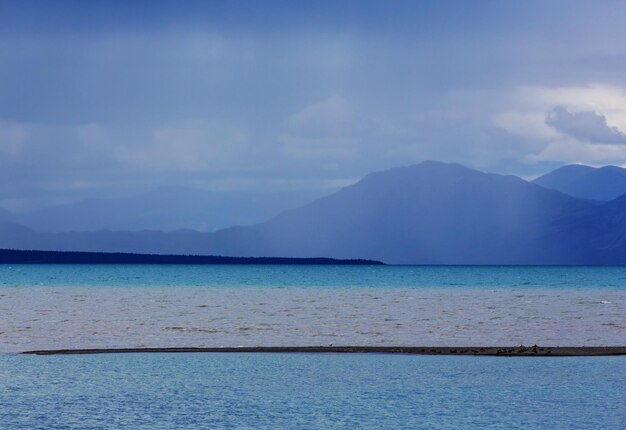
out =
column 51, row 307
column 75, row 306
column 257, row 391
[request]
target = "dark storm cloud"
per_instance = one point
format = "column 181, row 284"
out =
column 98, row 96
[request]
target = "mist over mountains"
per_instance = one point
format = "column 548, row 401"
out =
column 431, row 213
column 164, row 209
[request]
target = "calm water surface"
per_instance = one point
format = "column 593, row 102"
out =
column 312, row 276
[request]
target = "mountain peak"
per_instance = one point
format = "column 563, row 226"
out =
column 586, row 182
column 428, row 213
column 425, row 170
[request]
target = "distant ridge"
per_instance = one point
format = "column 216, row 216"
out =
column 430, row 213
column 601, row 184
column 162, row 209
column 8, row 256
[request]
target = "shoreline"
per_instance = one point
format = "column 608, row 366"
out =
column 20, row 256
column 517, row 351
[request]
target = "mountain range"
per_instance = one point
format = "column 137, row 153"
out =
column 430, row 213
column 585, row 182
column 165, row 208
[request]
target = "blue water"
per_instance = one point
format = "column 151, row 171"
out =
column 49, row 307
column 57, row 306
column 313, row 276
column 193, row 391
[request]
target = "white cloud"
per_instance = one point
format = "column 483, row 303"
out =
column 572, row 151
column 584, row 125
column 316, row 147
column 606, row 100
column 528, row 124
column 91, row 133
column 325, row 129
column 191, row 146
column 13, row 137
column 323, row 116
column 564, row 124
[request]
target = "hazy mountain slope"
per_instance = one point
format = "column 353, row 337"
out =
column 597, row 236
column 430, row 213
column 14, row 236
column 602, row 184
column 170, row 208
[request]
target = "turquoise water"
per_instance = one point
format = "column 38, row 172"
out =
column 198, row 391
column 52, row 307
column 313, row 276
column 59, row 306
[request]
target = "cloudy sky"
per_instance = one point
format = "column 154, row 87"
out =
column 101, row 98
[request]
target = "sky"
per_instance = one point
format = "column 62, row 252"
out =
column 105, row 98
